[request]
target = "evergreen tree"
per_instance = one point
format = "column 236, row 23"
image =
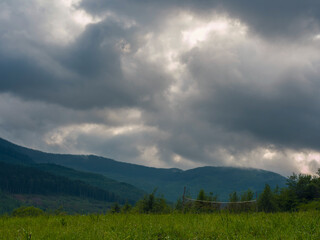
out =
column 247, row 196
column 233, row 197
column 200, row 206
column 247, row 206
column 232, row 206
column 286, row 200
column 201, row 195
column 126, row 208
column 267, row 201
column 152, row 204
column 115, row 208
column 178, row 205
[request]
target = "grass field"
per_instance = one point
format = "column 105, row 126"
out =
column 301, row 225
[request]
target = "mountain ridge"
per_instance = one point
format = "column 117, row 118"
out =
column 15, row 155
column 169, row 181
column 174, row 169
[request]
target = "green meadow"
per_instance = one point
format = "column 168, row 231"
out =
column 298, row 225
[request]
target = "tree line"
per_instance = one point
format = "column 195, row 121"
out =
column 302, row 192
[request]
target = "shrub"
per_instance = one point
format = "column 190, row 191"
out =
column 314, row 205
column 27, row 212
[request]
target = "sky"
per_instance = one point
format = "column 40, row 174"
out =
column 179, row 83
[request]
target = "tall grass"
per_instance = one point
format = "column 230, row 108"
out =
column 300, row 225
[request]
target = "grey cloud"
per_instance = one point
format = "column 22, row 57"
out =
column 119, row 147
column 314, row 166
column 269, row 18
column 277, row 104
column 249, row 94
column 278, row 18
column 85, row 74
column 53, row 128
column 248, row 97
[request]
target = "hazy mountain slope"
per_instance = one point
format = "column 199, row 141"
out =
column 15, row 154
column 222, row 181
column 170, row 182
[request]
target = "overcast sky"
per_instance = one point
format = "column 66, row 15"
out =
column 179, row 83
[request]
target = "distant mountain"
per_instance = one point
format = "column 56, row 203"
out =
column 25, row 168
column 26, row 185
column 169, row 182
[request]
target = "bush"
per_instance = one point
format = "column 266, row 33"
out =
column 27, row 212
column 314, row 205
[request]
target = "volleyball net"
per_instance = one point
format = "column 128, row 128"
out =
column 217, row 202
column 245, row 202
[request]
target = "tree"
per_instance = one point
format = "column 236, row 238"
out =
column 232, row 206
column 233, row 197
column 126, row 208
column 201, row 195
column 246, row 197
column 305, row 187
column 199, row 206
column 152, row 204
column 267, row 202
column 115, row 208
column 179, row 205
column 206, row 203
column 287, row 200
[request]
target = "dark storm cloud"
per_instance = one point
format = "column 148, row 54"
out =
column 273, row 102
column 87, row 73
column 288, row 119
column 278, row 17
column 274, row 18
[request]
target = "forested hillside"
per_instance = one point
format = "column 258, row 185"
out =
column 18, row 179
column 14, row 154
column 169, row 182
column 10, row 155
column 124, row 190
